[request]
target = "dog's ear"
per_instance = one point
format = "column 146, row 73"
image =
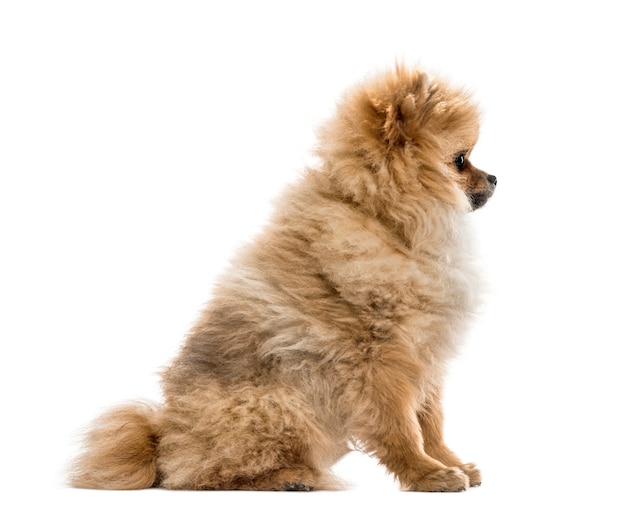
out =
column 399, row 115
column 410, row 93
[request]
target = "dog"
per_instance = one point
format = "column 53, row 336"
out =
column 334, row 326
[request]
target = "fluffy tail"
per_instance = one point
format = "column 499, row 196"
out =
column 119, row 451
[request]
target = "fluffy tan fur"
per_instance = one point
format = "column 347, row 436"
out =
column 335, row 325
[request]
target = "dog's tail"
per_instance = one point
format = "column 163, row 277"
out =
column 120, row 450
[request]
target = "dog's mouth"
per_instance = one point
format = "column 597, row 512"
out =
column 479, row 198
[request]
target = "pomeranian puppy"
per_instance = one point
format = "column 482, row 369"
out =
column 334, row 325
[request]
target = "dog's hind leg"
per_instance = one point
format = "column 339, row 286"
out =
column 248, row 438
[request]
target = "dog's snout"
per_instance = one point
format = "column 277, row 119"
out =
column 493, row 180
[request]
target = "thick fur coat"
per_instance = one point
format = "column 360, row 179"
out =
column 334, row 325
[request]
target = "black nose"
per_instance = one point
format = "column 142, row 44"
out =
column 492, row 179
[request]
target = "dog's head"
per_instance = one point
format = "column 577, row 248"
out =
column 403, row 136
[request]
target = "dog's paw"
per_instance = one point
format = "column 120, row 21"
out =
column 450, row 479
column 472, row 473
column 297, row 487
column 300, row 479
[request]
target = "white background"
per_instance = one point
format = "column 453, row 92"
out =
column 142, row 142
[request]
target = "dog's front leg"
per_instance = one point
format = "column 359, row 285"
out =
column 430, row 419
column 393, row 434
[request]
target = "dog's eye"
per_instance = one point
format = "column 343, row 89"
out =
column 459, row 161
